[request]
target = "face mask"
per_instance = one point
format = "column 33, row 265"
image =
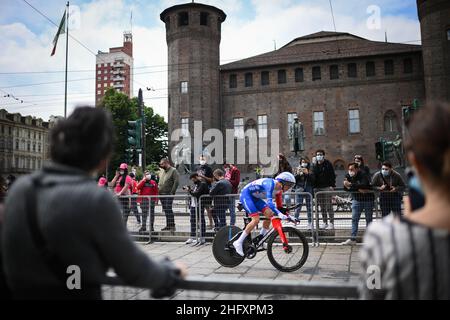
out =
column 148, row 177
column 202, row 162
column 122, row 173
column 319, row 158
column 304, row 165
column 385, row 173
column 351, row 173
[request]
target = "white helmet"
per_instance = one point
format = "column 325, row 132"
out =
column 286, row 177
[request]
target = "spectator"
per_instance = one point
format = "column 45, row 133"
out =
column 304, row 183
column 102, row 182
column 233, row 175
column 9, row 181
column 5, row 294
column 205, row 172
column 357, row 181
column 67, row 220
column 133, row 198
column 362, row 166
column 200, row 188
column 168, row 184
column 283, row 165
column 122, row 184
column 324, row 180
column 147, row 187
column 412, row 252
column 220, row 189
column 391, row 186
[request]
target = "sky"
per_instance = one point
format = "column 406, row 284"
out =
column 252, row 27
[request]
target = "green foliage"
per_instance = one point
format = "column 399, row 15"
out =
column 124, row 109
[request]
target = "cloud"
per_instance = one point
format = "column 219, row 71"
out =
column 27, row 48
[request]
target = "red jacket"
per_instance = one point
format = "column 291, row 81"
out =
column 234, row 176
column 133, row 187
column 148, row 188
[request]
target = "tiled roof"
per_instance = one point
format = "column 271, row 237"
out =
column 322, row 46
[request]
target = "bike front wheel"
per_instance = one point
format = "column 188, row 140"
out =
column 288, row 259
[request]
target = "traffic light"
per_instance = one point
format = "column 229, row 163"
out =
column 134, row 134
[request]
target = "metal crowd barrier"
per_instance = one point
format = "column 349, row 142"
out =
column 351, row 212
column 199, row 219
column 232, row 289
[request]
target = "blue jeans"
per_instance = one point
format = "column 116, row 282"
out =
column 194, row 221
column 357, row 208
column 308, row 201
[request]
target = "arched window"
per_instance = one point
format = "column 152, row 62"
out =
column 390, row 122
column 339, row 165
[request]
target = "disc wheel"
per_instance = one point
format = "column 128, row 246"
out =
column 224, row 256
column 291, row 258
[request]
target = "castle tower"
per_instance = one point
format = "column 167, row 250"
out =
column 193, row 33
column 434, row 16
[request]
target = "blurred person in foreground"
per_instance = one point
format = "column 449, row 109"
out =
column 58, row 218
column 408, row 257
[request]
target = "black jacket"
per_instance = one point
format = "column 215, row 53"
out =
column 221, row 188
column 324, row 176
column 304, row 180
column 361, row 181
column 199, row 189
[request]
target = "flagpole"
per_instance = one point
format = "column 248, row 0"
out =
column 67, row 55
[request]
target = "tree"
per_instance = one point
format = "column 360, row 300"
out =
column 124, row 109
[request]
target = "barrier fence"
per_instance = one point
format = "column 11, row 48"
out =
column 239, row 289
column 325, row 216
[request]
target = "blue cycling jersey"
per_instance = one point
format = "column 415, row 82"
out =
column 255, row 191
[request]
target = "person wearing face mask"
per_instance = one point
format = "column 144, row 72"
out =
column 168, row 184
column 362, row 166
column 304, row 183
column 122, row 184
column 199, row 188
column 219, row 190
column 412, row 251
column 324, row 180
column 205, row 172
column 147, row 187
column 57, row 217
column 358, row 183
column 233, row 175
column 391, row 185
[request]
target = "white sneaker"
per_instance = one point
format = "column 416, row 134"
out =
column 330, row 227
column 238, row 247
column 323, row 226
column 189, row 241
column 348, row 242
column 198, row 242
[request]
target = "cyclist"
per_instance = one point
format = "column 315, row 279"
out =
column 252, row 198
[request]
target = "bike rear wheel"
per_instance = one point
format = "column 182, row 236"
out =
column 292, row 259
column 226, row 257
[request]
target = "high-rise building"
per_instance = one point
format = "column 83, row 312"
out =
column 114, row 69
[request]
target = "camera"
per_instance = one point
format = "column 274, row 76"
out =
column 186, row 188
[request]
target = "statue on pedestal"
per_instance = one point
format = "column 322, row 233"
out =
column 297, row 137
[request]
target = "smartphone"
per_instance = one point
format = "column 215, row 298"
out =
column 416, row 195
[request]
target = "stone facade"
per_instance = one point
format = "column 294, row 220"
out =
column 24, row 143
column 434, row 18
column 358, row 99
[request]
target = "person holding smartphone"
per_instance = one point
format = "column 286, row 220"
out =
column 411, row 253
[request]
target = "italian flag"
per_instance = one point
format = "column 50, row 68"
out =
column 61, row 30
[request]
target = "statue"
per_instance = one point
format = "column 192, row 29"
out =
column 297, row 137
column 398, row 149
